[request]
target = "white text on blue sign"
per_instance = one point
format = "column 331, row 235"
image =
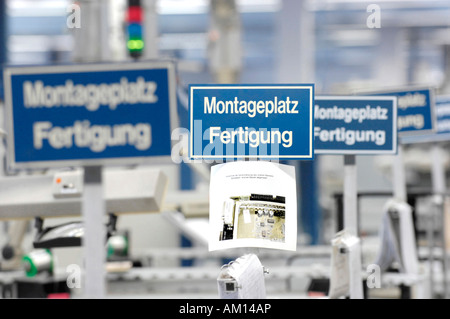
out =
column 415, row 114
column 91, row 97
column 443, row 114
column 89, row 113
column 235, row 121
column 355, row 125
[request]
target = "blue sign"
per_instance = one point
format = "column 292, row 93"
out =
column 442, row 116
column 251, row 121
column 415, row 113
column 442, row 109
column 89, row 114
column 355, row 125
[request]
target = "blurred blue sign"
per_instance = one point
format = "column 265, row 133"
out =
column 355, row 125
column 442, row 116
column 89, row 114
column 442, row 109
column 415, row 111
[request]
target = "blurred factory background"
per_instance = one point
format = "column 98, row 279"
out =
column 327, row 42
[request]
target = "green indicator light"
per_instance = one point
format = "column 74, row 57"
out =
column 139, row 44
column 135, row 44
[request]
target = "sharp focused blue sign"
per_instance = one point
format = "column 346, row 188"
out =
column 89, row 114
column 415, row 112
column 254, row 121
column 355, row 125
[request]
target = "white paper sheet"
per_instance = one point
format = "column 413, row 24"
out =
column 253, row 204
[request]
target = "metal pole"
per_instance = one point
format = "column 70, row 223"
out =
column 150, row 29
column 430, row 240
column 399, row 176
column 296, row 64
column 92, row 45
column 3, row 41
column 104, row 30
column 3, row 36
column 350, row 195
column 437, row 170
column 444, row 250
column 439, row 189
column 445, row 88
column 224, row 47
column 93, row 209
column 296, row 42
column 351, row 221
column 3, row 60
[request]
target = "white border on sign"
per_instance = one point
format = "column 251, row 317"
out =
column 364, row 152
column 79, row 68
column 262, row 86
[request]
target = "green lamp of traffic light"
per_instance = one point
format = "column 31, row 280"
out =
column 135, row 41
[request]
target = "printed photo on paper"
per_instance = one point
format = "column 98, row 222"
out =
column 253, row 204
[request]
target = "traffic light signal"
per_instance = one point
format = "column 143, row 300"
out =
column 135, row 41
